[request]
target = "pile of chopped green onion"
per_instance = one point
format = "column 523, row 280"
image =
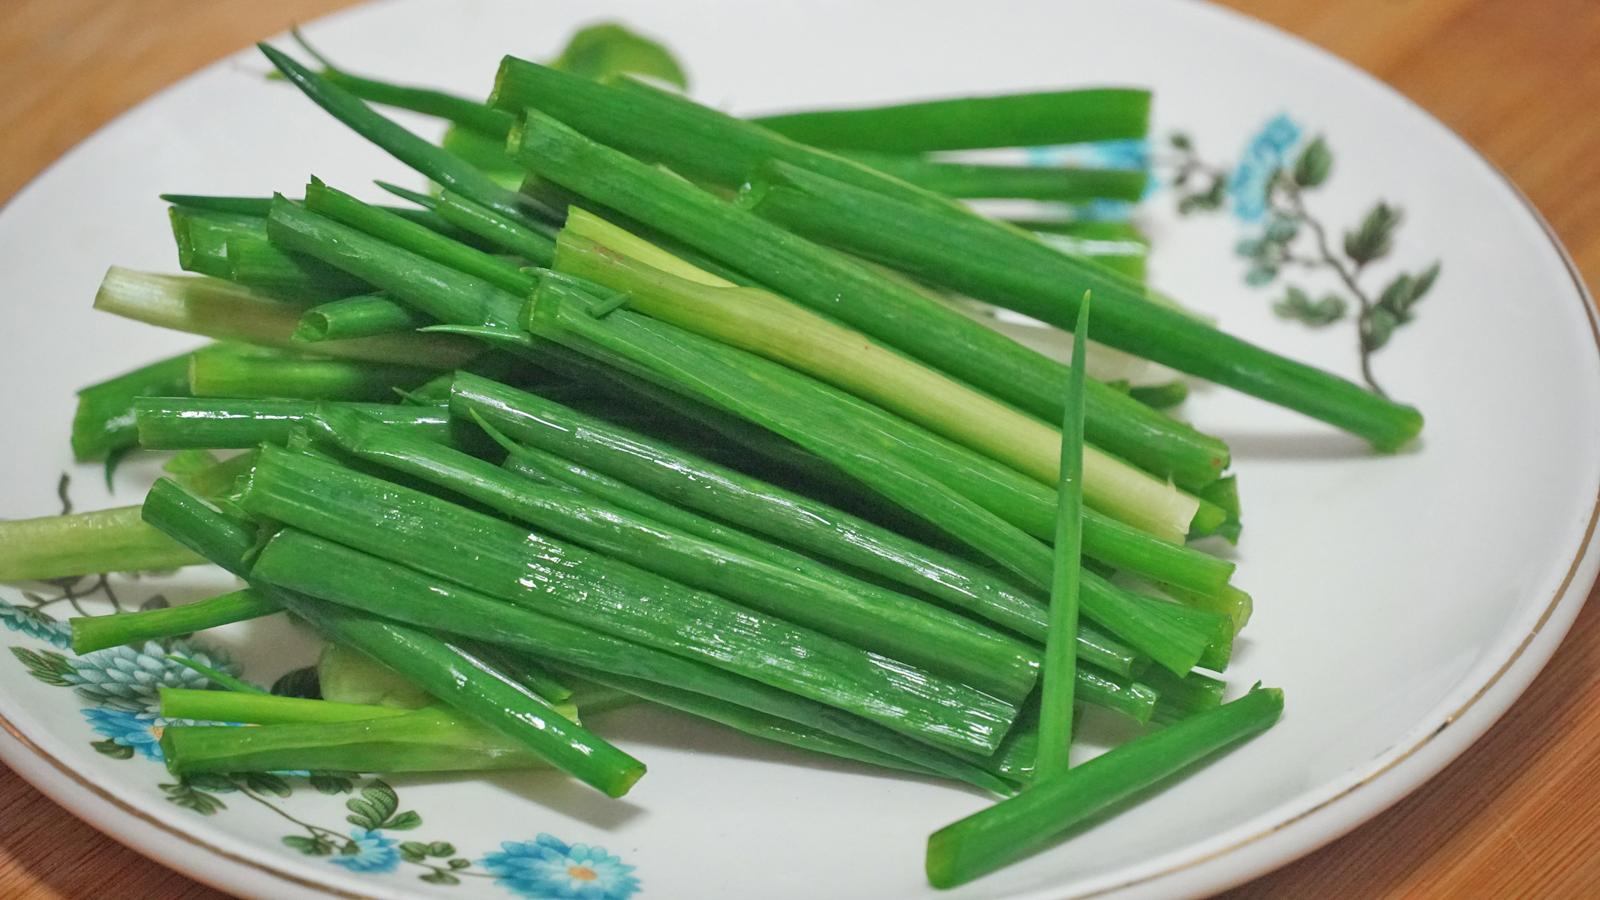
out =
column 641, row 402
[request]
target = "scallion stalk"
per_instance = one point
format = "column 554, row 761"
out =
column 983, row 181
column 769, row 326
column 349, row 577
column 969, row 123
column 224, row 371
column 342, row 207
column 477, row 690
column 1014, row 828
column 178, row 423
column 105, row 540
column 845, row 289
column 227, row 311
column 510, row 562
column 780, row 583
column 91, row 633
column 992, row 263
column 367, row 315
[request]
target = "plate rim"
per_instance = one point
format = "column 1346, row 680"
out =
column 1402, row 769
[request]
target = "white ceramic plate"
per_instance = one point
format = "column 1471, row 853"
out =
column 1402, row 602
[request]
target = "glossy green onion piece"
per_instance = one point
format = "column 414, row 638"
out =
column 218, row 423
column 525, row 567
column 547, row 468
column 968, row 123
column 779, row 583
column 1021, row 825
column 1184, row 696
column 265, row 709
column 684, row 479
column 710, row 146
column 843, row 288
column 984, row 181
column 483, row 222
column 104, row 423
column 349, row 577
column 831, row 425
column 342, row 207
column 367, row 315
column 226, row 311
column 420, row 741
column 259, row 207
column 202, row 238
column 255, row 262
column 91, row 633
column 989, row 262
column 608, row 49
column 191, row 521
column 1060, row 660
column 767, row 325
column 490, row 226
column 229, row 372
column 105, row 540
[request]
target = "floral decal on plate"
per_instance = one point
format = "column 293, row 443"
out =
column 119, row 689
column 1267, row 192
column 546, row 867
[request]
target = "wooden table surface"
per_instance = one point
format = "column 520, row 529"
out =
column 1515, row 815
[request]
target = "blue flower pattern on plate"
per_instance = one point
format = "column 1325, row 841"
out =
column 136, row 730
column 1262, row 156
column 35, row 624
column 546, row 868
column 130, row 678
column 372, row 853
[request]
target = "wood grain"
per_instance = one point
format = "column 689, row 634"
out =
column 1514, row 816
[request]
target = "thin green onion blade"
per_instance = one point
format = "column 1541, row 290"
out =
column 1060, row 658
column 969, row 123
column 427, row 159
column 463, row 111
column 225, row 372
column 252, row 708
column 1026, row 823
column 216, row 676
column 424, row 741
